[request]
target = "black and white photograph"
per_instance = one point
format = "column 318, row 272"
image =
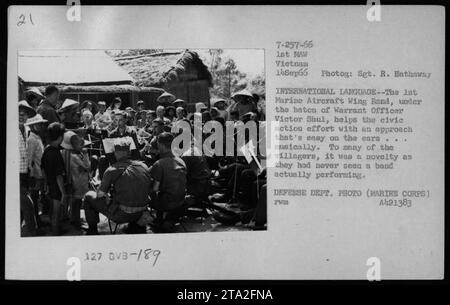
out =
column 96, row 129
column 225, row 143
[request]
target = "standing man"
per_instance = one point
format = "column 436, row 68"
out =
column 123, row 193
column 47, row 109
column 26, row 205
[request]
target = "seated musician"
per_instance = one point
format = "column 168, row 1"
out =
column 123, row 193
column 198, row 174
column 102, row 118
column 169, row 178
column 251, row 179
column 150, row 151
column 86, row 105
column 233, row 171
column 113, row 125
column 140, row 114
column 122, row 130
column 150, row 116
column 88, row 120
column 131, row 115
column 91, row 132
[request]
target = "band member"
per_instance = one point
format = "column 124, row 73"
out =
column 88, row 120
column 86, row 105
column 113, row 125
column 115, row 106
column 102, row 118
column 141, row 114
column 130, row 115
column 123, row 193
column 150, row 152
column 150, row 116
column 197, row 174
column 123, row 130
column 169, row 177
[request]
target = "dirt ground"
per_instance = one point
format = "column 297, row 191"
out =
column 186, row 225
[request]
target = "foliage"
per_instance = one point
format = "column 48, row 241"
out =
column 227, row 78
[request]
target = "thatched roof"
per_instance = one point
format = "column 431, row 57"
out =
column 103, row 89
column 161, row 69
column 69, row 67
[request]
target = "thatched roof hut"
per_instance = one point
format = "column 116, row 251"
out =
column 95, row 75
column 70, row 67
column 79, row 74
column 181, row 73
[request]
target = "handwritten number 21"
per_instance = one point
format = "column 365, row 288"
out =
column 22, row 19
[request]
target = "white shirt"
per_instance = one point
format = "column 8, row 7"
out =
column 35, row 149
column 102, row 119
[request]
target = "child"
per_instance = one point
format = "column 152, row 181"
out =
column 52, row 165
column 78, row 166
column 35, row 149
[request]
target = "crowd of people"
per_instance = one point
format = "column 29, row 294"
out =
column 64, row 167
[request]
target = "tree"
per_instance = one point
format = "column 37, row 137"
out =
column 226, row 75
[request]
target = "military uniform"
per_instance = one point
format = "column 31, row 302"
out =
column 130, row 182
